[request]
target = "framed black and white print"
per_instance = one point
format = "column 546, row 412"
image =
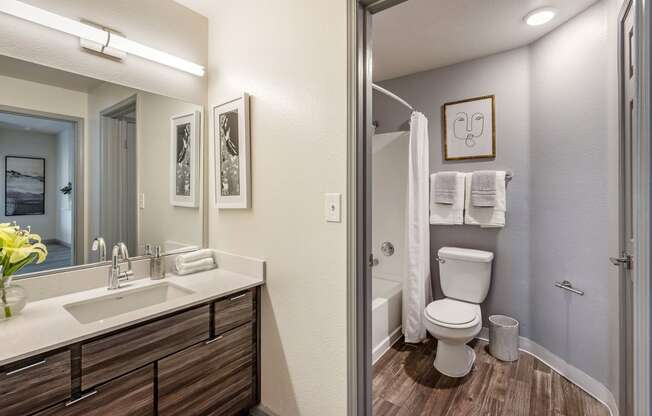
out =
column 469, row 128
column 231, row 173
column 24, row 186
column 184, row 160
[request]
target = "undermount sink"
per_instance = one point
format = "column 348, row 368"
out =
column 124, row 301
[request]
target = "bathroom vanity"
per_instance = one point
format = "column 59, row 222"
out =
column 196, row 354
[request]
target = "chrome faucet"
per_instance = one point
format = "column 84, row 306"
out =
column 99, row 245
column 119, row 253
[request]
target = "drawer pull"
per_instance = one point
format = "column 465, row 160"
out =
column 82, row 397
column 27, row 367
column 210, row 341
column 238, row 297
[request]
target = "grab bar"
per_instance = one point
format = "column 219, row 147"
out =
column 566, row 285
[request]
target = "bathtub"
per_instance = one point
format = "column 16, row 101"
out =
column 386, row 314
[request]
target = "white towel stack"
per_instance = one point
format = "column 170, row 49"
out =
column 448, row 214
column 487, row 217
column 195, row 262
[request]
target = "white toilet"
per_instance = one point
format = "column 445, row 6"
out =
column 465, row 276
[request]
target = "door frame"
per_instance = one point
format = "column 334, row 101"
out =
column 78, row 224
column 105, row 116
column 360, row 131
column 643, row 249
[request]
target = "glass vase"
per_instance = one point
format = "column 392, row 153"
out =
column 12, row 300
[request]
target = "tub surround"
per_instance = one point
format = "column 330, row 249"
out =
column 56, row 327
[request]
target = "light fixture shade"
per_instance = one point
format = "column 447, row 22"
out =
column 540, row 16
column 95, row 38
column 53, row 21
column 134, row 48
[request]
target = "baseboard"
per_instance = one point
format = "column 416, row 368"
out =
column 261, row 410
column 576, row 376
column 387, row 343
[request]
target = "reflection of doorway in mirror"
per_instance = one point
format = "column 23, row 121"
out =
column 118, row 218
column 37, row 157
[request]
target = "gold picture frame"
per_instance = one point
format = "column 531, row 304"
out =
column 469, row 141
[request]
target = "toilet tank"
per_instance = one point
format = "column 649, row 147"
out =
column 465, row 274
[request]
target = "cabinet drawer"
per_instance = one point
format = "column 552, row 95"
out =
column 234, row 311
column 213, row 378
column 125, row 351
column 129, row 395
column 32, row 385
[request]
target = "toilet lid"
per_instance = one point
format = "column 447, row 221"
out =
column 451, row 312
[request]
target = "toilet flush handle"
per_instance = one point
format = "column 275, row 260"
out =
column 440, row 260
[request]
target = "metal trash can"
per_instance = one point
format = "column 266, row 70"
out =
column 503, row 337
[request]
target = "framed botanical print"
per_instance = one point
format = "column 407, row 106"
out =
column 24, row 186
column 469, row 128
column 184, row 160
column 231, row 171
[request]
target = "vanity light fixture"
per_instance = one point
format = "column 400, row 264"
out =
column 540, row 16
column 95, row 38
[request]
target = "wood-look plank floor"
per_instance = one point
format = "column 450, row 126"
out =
column 406, row 383
column 58, row 256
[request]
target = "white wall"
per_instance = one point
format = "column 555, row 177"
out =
column 161, row 24
column 390, row 184
column 290, row 55
column 32, row 144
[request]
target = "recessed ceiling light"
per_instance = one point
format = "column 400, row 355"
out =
column 540, row 16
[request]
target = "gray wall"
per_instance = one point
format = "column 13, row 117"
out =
column 551, row 124
column 14, row 142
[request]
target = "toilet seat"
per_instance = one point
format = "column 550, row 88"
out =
column 451, row 313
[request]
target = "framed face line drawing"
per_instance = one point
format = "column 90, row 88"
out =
column 469, row 128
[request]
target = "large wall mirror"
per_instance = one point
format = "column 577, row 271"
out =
column 87, row 164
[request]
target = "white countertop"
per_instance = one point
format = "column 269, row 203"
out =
column 45, row 325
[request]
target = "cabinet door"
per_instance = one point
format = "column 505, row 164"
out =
column 117, row 354
column 130, row 395
column 31, row 385
column 234, row 311
column 212, row 378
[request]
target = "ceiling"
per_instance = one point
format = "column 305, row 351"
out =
column 36, row 124
column 420, row 35
column 203, row 7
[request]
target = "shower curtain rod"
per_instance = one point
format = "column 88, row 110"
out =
column 392, row 95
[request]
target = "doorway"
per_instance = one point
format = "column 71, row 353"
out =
column 118, row 170
column 363, row 131
column 41, row 181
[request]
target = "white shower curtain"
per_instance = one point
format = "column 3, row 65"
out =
column 417, row 292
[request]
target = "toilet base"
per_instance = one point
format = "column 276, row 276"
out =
column 454, row 360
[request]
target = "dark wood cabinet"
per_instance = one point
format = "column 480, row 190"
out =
column 129, row 395
column 201, row 361
column 117, row 354
column 212, row 378
column 34, row 384
column 234, row 311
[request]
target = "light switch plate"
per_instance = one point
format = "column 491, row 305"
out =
column 333, row 207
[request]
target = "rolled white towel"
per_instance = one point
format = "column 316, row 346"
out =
column 196, row 266
column 195, row 256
